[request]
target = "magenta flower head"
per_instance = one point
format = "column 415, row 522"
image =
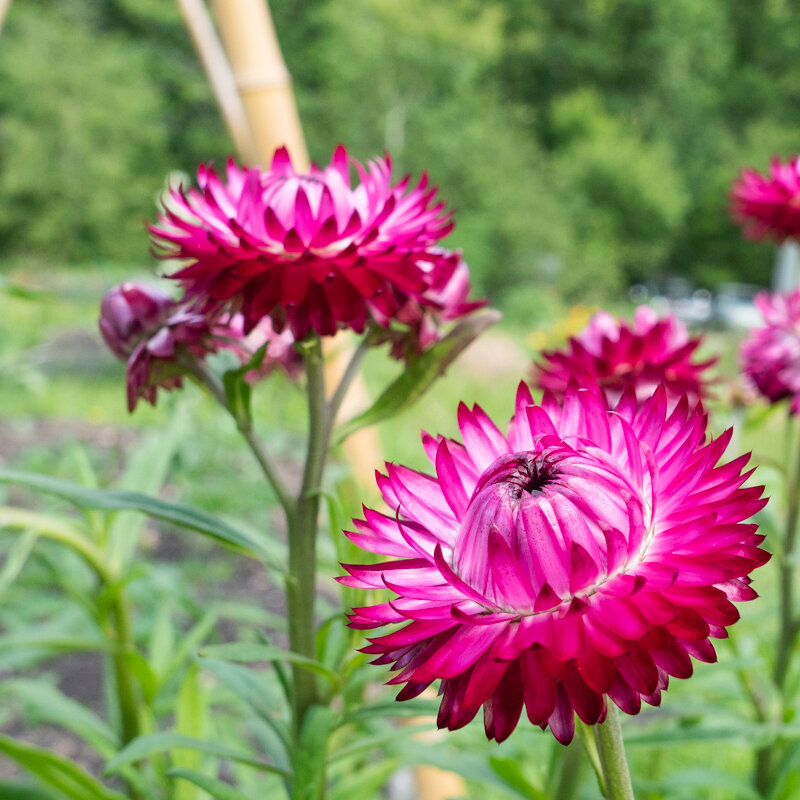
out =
column 420, row 321
column 585, row 555
column 768, row 206
column 310, row 250
column 770, row 356
column 149, row 330
column 653, row 351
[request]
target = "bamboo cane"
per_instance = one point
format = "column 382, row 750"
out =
column 211, row 54
column 262, row 78
column 4, row 6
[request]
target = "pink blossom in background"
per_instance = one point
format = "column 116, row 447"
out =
column 768, row 205
column 770, row 356
column 310, row 251
column 585, row 555
column 653, row 351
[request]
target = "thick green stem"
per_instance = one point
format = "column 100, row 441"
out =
column 611, row 751
column 301, row 581
column 119, row 628
column 788, row 622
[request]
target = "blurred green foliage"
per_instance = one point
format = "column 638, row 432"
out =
column 585, row 145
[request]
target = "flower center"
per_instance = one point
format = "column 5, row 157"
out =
column 545, row 525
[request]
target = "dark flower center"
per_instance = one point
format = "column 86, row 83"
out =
column 519, row 473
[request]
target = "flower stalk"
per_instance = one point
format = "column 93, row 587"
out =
column 301, row 580
column 611, row 751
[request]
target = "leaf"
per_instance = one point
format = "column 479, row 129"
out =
column 151, row 743
column 408, row 708
column 56, row 771
column 749, row 735
column 43, row 702
column 252, row 651
column 420, row 374
column 238, row 391
column 21, row 791
column 216, row 788
column 190, row 719
column 309, row 776
column 247, row 685
column 366, row 782
column 701, row 778
column 146, row 471
column 511, row 773
column 120, row 500
column 16, row 558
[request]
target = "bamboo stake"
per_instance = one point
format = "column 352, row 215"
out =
column 209, row 49
column 4, row 6
column 264, row 83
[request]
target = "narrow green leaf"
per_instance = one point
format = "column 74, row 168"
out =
column 16, row 558
column 309, row 775
column 251, row 651
column 510, row 772
column 53, row 645
column 249, row 685
column 216, row 788
column 420, row 374
column 21, row 791
column 699, row 781
column 367, row 782
column 408, row 708
column 146, row 472
column 56, row 771
column 43, row 702
column 238, row 391
column 151, row 743
column 190, row 720
column 112, row 500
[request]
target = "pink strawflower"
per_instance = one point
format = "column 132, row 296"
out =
column 587, row 554
column 768, row 205
column 653, row 351
column 770, row 355
column 420, row 322
column 310, row 250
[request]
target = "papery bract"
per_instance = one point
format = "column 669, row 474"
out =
column 615, row 354
column 586, row 554
column 152, row 332
column 769, row 205
column 770, row 355
column 307, row 249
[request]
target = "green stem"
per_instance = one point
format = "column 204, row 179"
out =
column 301, row 581
column 335, row 403
column 244, row 425
column 611, row 751
column 126, row 684
column 788, row 622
